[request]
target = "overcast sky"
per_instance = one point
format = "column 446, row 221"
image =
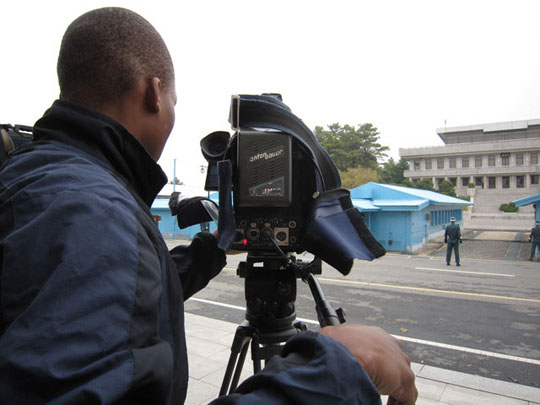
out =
column 407, row 67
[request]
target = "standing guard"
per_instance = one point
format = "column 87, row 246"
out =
column 452, row 236
column 534, row 237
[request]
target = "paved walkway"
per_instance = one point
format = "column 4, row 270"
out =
column 209, row 343
column 486, row 245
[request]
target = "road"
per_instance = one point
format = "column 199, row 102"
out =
column 482, row 318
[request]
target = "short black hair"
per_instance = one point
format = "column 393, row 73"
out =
column 105, row 52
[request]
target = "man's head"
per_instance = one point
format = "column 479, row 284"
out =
column 452, row 219
column 537, row 223
column 114, row 61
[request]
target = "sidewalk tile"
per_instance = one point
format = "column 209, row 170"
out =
column 455, row 395
column 429, row 389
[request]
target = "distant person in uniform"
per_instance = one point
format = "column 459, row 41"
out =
column 534, row 237
column 452, row 236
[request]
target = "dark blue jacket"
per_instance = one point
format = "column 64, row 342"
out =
column 91, row 299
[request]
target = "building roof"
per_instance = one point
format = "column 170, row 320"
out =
column 492, row 127
column 388, row 197
column 365, row 205
column 161, row 203
column 512, row 127
column 527, row 200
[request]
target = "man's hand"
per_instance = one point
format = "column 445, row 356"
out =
column 382, row 358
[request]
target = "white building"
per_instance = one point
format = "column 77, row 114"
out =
column 501, row 156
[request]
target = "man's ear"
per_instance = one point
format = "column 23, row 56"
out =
column 153, row 94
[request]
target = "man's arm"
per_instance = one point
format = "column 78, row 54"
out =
column 198, row 263
column 382, row 356
column 92, row 318
column 346, row 364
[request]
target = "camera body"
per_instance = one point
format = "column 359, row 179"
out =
column 273, row 181
column 279, row 190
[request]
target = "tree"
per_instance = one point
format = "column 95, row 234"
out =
column 426, row 184
column 447, row 188
column 357, row 176
column 176, row 181
column 392, row 171
column 407, row 183
column 351, row 147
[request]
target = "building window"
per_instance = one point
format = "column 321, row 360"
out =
column 416, row 165
column 440, row 163
column 439, row 181
column 491, row 182
column 465, row 162
column 479, row 182
column 505, row 159
column 478, row 161
column 415, row 181
column 491, row 160
column 519, row 159
column 464, row 181
column 505, row 181
column 534, row 158
column 534, row 179
column 520, row 181
column 452, row 162
column 453, row 180
column 428, row 164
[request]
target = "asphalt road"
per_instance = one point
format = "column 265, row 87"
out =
column 482, row 318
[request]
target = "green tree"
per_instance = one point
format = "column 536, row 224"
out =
column 356, row 176
column 392, row 171
column 407, row 183
column 425, row 184
column 446, row 187
column 176, row 181
column 350, row 146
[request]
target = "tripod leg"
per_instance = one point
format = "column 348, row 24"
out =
column 256, row 354
column 242, row 337
column 239, row 367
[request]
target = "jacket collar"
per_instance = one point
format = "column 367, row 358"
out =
column 105, row 139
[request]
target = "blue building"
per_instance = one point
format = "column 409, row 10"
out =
column 403, row 219
column 534, row 200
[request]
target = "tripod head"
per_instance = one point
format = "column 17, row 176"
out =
column 270, row 289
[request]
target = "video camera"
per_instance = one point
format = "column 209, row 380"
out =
column 286, row 190
column 273, row 182
column 279, row 193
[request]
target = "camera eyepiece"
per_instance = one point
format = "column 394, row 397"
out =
column 215, row 145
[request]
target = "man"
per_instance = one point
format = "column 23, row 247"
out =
column 452, row 236
column 534, row 237
column 92, row 301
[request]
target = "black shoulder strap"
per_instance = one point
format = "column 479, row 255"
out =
column 11, row 138
column 267, row 111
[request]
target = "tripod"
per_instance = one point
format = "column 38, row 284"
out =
column 270, row 292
